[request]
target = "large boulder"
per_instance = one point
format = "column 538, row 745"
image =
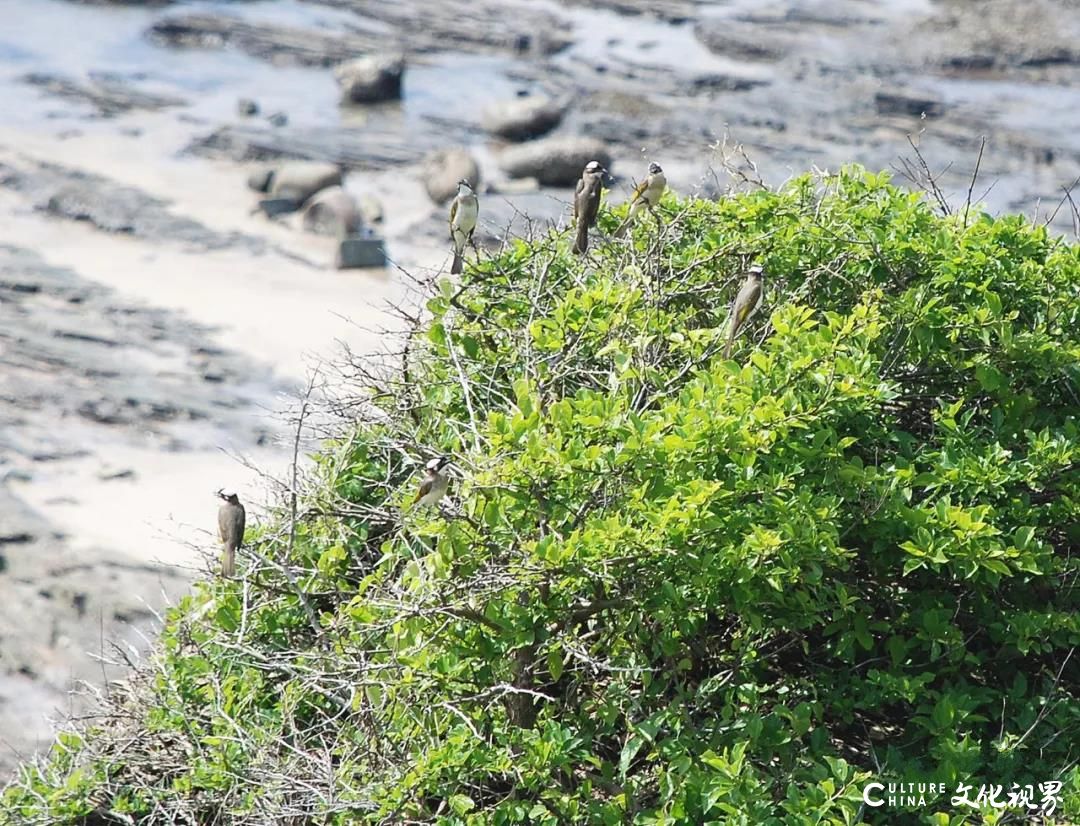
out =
column 299, row 180
column 441, row 171
column 371, row 79
column 554, row 161
column 332, row 211
column 522, row 119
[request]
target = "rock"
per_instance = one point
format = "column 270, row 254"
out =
column 523, row 118
column 908, row 103
column 78, row 195
column 299, row 180
column 272, row 207
column 109, row 94
column 720, row 82
column 554, row 161
column 260, row 178
column 267, row 41
column 360, row 251
column 374, row 146
column 742, row 41
column 278, row 119
column 332, row 211
column 371, row 209
column 442, row 170
column 246, row 107
column 371, row 79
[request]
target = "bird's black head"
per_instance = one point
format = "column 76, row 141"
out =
column 438, row 463
column 231, row 498
column 654, row 169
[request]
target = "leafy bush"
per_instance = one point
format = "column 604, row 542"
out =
column 669, row 587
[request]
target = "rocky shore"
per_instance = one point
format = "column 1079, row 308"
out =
column 151, row 315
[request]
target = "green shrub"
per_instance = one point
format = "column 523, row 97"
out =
column 669, row 588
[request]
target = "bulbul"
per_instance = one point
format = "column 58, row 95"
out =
column 463, row 212
column 746, row 304
column 433, row 488
column 646, row 194
column 587, row 203
column 230, row 520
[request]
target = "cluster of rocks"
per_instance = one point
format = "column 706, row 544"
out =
column 315, row 189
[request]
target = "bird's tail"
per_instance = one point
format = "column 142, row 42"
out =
column 228, row 562
column 581, row 243
column 737, row 321
column 458, row 263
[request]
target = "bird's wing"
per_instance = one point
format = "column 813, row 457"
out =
column 578, row 191
column 747, row 301
column 425, row 489
column 225, row 526
column 453, row 211
column 639, row 190
column 592, row 205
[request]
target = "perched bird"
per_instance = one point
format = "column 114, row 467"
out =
column 587, row 203
column 230, row 520
column 746, row 304
column 433, row 488
column 464, row 210
column 646, row 194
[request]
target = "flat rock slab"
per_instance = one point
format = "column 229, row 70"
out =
column 110, row 95
column 112, row 207
column 486, row 26
column 376, row 146
column 908, row 103
column 278, row 44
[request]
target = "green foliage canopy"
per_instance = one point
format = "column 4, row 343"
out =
column 670, row 588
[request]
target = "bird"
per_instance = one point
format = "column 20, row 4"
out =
column 746, row 304
column 464, row 210
column 646, row 194
column 230, row 521
column 587, row 203
column 433, row 488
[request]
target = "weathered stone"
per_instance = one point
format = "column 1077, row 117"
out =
column 260, row 178
column 109, row 94
column 442, row 170
column 299, row 180
column 554, row 161
column 332, row 211
column 523, row 118
column 360, row 252
column 246, row 107
column 371, row 79
column 268, row 41
column 272, row 207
